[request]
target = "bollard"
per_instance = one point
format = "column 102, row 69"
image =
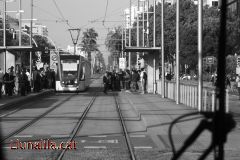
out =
column 192, row 97
column 205, row 100
column 180, row 93
column 196, row 97
column 188, row 95
column 213, row 100
column 227, row 101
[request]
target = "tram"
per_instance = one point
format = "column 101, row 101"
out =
column 73, row 73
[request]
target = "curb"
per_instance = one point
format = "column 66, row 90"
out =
column 27, row 98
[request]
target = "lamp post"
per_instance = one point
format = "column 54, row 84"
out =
column 4, row 35
column 74, row 32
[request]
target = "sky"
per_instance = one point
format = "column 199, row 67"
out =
column 79, row 14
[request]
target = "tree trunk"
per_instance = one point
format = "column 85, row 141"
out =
column 89, row 56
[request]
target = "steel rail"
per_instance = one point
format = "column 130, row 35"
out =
column 77, row 128
column 26, row 125
column 130, row 148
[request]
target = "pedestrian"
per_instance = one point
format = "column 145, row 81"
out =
column 23, row 82
column 228, row 82
column 16, row 79
column 135, row 78
column 49, row 78
column 53, row 86
column 238, row 84
column 109, row 78
column 117, row 82
column 8, row 80
column 120, row 75
column 105, row 83
column 113, row 80
column 143, row 79
column 1, row 81
column 28, row 86
column 127, row 80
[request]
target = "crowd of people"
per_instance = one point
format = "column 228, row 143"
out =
column 18, row 81
column 134, row 80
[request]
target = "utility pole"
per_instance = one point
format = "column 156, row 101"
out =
column 147, row 23
column 4, row 35
column 177, row 53
column 162, row 47
column 130, row 24
column 143, row 24
column 200, row 83
column 137, row 31
column 154, row 45
column 31, row 35
column 122, row 41
column 20, row 23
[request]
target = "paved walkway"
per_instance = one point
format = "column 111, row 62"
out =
column 158, row 113
column 11, row 100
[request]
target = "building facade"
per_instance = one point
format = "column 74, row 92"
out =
column 37, row 29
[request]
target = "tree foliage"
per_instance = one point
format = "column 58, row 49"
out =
column 189, row 33
column 89, row 41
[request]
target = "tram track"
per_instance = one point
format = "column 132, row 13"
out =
column 79, row 125
column 31, row 122
column 125, row 132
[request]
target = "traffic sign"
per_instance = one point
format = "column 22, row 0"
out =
column 11, row 30
column 53, row 60
column 122, row 63
column 210, row 60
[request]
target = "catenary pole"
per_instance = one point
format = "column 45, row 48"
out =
column 162, row 38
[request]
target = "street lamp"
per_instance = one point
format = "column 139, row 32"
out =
column 74, row 32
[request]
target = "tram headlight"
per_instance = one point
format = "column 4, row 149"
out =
column 75, row 81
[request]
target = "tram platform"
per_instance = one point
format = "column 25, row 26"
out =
column 7, row 101
column 157, row 114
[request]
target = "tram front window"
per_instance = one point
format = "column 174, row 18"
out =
column 69, row 73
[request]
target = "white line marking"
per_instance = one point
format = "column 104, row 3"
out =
column 108, row 141
column 95, row 147
column 60, row 135
column 142, row 147
column 7, row 147
column 9, row 113
column 137, row 135
column 101, row 136
column 83, row 141
column 23, row 136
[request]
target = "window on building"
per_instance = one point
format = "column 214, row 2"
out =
column 215, row 3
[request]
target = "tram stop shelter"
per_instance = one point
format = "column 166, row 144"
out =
column 152, row 69
column 7, row 59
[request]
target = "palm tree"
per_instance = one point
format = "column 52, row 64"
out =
column 89, row 42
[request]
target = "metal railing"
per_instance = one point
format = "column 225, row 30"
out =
column 189, row 95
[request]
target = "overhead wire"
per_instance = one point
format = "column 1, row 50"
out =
column 105, row 13
column 111, row 13
column 60, row 12
column 46, row 11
